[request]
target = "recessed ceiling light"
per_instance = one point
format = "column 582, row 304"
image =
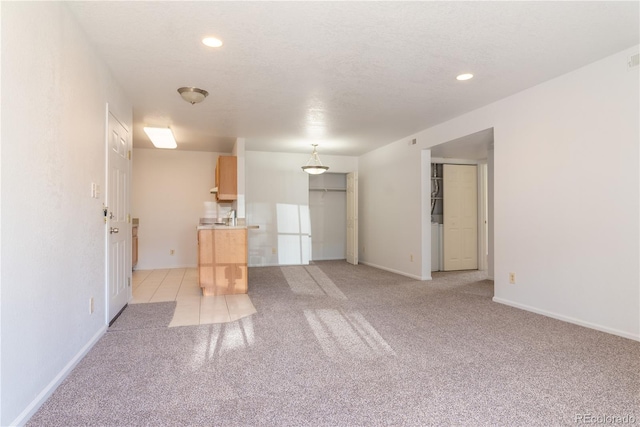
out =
column 161, row 137
column 465, row 76
column 212, row 42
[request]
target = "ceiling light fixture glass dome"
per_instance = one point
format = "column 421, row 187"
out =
column 314, row 166
column 193, row 95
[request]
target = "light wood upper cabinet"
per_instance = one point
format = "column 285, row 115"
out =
column 226, row 178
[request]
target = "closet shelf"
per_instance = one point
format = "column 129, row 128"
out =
column 327, row 189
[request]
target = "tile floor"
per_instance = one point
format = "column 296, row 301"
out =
column 181, row 285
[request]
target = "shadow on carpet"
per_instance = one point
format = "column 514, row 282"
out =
column 144, row 316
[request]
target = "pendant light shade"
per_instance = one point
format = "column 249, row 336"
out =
column 314, row 166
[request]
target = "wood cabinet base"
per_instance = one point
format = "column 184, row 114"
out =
column 222, row 261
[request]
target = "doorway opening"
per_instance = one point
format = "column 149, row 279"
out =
column 328, row 212
column 474, row 150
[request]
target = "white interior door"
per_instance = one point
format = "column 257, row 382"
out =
column 460, row 209
column 352, row 218
column 118, row 227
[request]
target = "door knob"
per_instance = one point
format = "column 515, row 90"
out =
column 113, row 230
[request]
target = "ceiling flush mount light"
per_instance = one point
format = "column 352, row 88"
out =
column 465, row 76
column 161, row 137
column 212, row 42
column 314, row 166
column 193, row 95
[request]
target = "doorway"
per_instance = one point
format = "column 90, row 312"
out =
column 474, row 149
column 328, row 213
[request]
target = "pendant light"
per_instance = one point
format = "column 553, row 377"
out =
column 314, row 166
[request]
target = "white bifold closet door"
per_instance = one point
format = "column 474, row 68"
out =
column 460, row 209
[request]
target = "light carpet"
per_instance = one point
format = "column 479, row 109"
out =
column 392, row 352
column 144, row 316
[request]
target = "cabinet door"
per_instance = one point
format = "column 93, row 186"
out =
column 206, row 261
column 230, row 247
column 222, row 261
column 226, row 178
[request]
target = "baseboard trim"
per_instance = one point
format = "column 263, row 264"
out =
column 51, row 387
column 568, row 319
column 391, row 270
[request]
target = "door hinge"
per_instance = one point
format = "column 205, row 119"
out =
column 129, row 154
column 129, row 218
column 129, row 282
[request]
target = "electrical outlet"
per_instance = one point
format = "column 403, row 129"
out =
column 411, row 257
column 91, row 305
column 172, row 252
column 512, row 278
column 273, row 251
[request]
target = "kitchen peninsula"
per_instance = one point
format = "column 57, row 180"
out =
column 222, row 259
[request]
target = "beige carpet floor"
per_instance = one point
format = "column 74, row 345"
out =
column 333, row 344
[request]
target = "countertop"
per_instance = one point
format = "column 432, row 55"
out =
column 226, row 227
column 221, row 227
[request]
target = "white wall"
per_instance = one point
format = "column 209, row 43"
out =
column 277, row 200
column 169, row 189
column 566, row 196
column 490, row 217
column 238, row 151
column 390, row 202
column 54, row 95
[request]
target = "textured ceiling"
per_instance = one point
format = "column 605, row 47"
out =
column 351, row 76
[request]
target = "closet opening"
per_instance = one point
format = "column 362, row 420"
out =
column 328, row 213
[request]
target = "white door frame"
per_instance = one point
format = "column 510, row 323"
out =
column 352, row 218
column 482, row 216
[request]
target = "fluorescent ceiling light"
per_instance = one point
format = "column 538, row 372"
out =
column 212, row 42
column 465, row 76
column 161, row 137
